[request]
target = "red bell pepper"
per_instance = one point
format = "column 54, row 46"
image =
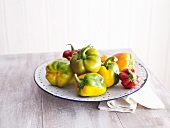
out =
column 68, row 53
column 128, row 78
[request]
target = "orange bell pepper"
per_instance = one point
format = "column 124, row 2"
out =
column 125, row 60
column 103, row 58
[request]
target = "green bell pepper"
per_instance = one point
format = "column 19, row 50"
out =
column 86, row 60
column 59, row 73
column 90, row 84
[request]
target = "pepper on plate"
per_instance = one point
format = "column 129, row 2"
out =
column 125, row 60
column 68, row 53
column 104, row 58
column 110, row 71
column 85, row 60
column 59, row 73
column 90, row 84
column 128, row 78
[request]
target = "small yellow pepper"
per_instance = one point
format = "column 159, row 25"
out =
column 90, row 84
column 110, row 72
column 125, row 60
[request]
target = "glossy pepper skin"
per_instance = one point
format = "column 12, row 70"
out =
column 129, row 78
column 110, row 72
column 68, row 53
column 90, row 84
column 85, row 60
column 59, row 73
column 125, row 60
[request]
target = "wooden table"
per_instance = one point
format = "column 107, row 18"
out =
column 24, row 105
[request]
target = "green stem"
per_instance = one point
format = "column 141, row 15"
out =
column 83, row 54
column 80, row 83
column 132, row 76
column 108, row 59
column 77, row 79
column 72, row 48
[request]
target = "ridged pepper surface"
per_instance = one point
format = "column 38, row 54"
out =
column 85, row 60
column 59, row 73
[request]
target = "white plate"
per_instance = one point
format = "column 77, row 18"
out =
column 69, row 92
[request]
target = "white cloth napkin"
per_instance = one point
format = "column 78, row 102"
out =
column 145, row 97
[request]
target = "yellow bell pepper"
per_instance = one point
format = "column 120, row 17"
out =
column 125, row 60
column 110, row 72
column 90, row 84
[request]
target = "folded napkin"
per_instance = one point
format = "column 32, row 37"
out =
column 145, row 97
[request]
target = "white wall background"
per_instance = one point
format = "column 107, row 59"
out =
column 48, row 25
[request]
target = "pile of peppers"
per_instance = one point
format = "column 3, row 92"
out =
column 92, row 73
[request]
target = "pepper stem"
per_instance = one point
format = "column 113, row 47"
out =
column 83, row 54
column 72, row 48
column 108, row 59
column 132, row 76
column 80, row 83
column 77, row 79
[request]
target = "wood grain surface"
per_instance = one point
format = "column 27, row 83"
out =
column 24, row 105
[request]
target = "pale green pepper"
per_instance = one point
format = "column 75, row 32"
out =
column 59, row 73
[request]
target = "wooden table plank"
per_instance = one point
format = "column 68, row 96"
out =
column 64, row 113
column 23, row 104
column 20, row 99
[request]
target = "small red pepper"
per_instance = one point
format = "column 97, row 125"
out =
column 68, row 53
column 129, row 78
